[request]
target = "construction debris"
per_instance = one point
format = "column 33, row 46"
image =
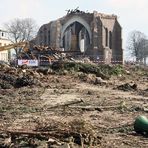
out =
column 8, row 81
column 70, row 104
column 25, row 76
column 74, row 133
column 127, row 87
column 45, row 55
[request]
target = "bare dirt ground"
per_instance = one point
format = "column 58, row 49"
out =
column 66, row 111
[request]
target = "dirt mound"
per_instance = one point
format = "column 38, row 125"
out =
column 11, row 77
column 8, row 81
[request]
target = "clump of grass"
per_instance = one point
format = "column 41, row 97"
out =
column 103, row 71
column 112, row 69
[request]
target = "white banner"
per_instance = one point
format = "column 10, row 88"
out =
column 28, row 62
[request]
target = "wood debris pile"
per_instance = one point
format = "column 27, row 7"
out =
column 46, row 55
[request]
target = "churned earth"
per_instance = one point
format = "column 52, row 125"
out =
column 72, row 108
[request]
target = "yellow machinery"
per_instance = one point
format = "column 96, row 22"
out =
column 23, row 45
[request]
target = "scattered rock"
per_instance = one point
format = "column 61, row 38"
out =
column 127, row 72
column 44, row 70
column 52, row 142
column 100, row 81
column 65, row 145
column 127, row 87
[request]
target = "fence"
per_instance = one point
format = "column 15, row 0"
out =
column 101, row 59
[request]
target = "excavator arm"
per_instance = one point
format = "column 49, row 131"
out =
column 15, row 45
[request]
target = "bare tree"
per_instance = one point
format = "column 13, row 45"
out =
column 137, row 44
column 21, row 30
column 145, row 51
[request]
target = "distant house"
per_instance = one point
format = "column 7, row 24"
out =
column 4, row 40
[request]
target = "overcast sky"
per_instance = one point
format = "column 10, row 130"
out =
column 132, row 14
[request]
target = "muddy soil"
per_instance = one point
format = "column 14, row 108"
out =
column 69, row 111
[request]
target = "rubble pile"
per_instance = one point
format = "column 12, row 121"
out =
column 55, row 134
column 11, row 77
column 25, row 76
column 7, row 81
column 45, row 54
column 128, row 87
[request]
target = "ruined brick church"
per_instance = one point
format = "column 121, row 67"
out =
column 94, row 34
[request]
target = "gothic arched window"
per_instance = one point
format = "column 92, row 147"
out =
column 106, row 36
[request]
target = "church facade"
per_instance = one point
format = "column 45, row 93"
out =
column 96, row 35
